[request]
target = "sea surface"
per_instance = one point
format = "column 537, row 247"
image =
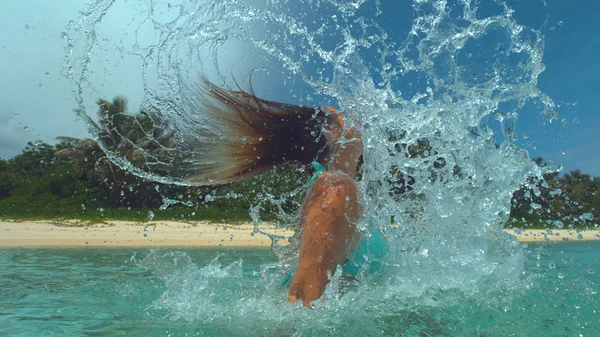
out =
column 234, row 292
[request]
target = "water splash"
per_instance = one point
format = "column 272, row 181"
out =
column 230, row 299
column 438, row 96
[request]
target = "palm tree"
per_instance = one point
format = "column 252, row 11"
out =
column 142, row 139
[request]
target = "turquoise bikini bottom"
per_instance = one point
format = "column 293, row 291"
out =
column 367, row 255
column 369, row 251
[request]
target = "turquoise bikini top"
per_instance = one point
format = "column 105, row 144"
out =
column 319, row 169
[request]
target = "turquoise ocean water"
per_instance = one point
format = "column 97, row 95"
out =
column 219, row 292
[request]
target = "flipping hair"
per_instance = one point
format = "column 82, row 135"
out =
column 243, row 135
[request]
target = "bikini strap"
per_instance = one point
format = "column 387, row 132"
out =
column 319, row 169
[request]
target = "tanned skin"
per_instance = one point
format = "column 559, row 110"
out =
column 329, row 213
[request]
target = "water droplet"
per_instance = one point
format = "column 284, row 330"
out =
column 551, row 265
column 40, row 85
column 150, row 215
column 26, row 26
column 47, row 74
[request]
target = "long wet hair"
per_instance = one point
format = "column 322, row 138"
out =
column 245, row 135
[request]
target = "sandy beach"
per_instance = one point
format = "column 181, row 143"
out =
column 124, row 233
column 197, row 234
column 539, row 235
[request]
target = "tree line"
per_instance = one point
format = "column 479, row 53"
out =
column 568, row 201
column 75, row 179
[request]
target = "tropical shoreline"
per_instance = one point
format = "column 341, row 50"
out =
column 131, row 234
column 554, row 235
column 193, row 234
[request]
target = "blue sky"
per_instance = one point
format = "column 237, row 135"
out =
column 572, row 79
column 38, row 101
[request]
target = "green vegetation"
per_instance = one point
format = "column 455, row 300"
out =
column 38, row 184
column 75, row 180
column 568, row 201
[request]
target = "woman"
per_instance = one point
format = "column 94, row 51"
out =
column 329, row 213
column 252, row 135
